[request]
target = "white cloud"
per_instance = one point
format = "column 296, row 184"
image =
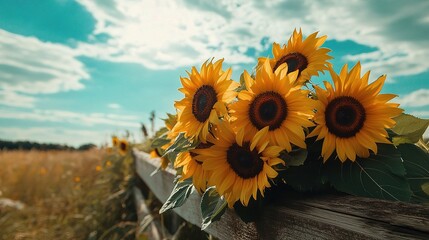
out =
column 61, row 135
column 418, row 98
column 85, row 128
column 395, row 28
column 161, row 34
column 168, row 34
column 73, row 137
column 113, row 106
column 420, row 114
column 14, row 99
column 92, row 119
column 30, row 66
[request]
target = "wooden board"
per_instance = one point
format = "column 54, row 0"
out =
column 152, row 231
column 296, row 216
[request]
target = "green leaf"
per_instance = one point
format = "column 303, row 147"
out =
column 295, row 157
column 309, row 176
column 409, row 129
column 242, row 84
column 425, row 188
column 416, row 163
column 242, row 81
column 170, row 120
column 160, row 141
column 160, row 132
column 178, row 196
column 213, row 207
column 180, row 144
column 379, row 176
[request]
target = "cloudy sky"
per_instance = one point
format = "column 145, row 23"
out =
column 78, row 71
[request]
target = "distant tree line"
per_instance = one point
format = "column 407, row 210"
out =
column 27, row 145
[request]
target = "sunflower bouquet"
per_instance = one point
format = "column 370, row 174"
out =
column 234, row 142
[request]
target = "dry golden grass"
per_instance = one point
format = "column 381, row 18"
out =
column 67, row 195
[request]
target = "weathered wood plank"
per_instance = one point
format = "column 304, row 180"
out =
column 296, row 216
column 155, row 229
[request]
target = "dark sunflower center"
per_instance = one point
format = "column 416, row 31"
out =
column 202, row 103
column 268, row 109
column 200, row 146
column 123, row 146
column 246, row 163
column 158, row 153
column 345, row 116
column 294, row 61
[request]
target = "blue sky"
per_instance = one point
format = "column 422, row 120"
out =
column 78, row 71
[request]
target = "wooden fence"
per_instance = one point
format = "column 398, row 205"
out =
column 297, row 216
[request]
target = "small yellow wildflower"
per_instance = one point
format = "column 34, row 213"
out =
column 115, row 141
column 42, row 171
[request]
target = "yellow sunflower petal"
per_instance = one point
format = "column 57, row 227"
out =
column 239, row 137
column 258, row 136
column 227, row 163
column 352, row 117
column 204, row 91
column 307, row 56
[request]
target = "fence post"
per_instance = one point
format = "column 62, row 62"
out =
column 298, row 216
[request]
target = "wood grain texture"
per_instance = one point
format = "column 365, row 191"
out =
column 298, row 216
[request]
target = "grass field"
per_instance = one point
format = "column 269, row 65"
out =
column 66, row 195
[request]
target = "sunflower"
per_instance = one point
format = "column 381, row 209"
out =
column 240, row 165
column 206, row 93
column 43, row 171
column 305, row 56
column 170, row 122
column 76, row 179
column 115, row 141
column 123, row 146
column 191, row 167
column 109, row 150
column 353, row 116
column 273, row 100
column 156, row 153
